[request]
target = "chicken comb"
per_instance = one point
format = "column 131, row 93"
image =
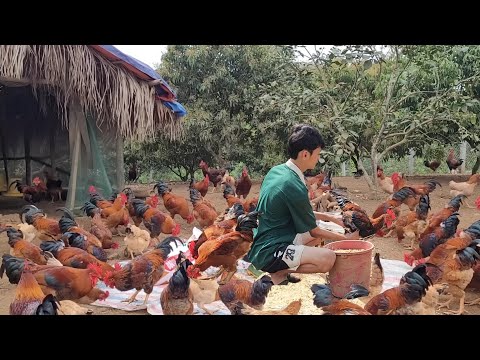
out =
column 176, row 230
column 477, row 203
column 154, row 200
column 106, row 295
column 408, row 258
column 390, row 218
column 117, row 266
column 92, row 189
column 395, row 177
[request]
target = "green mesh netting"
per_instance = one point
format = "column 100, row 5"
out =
column 96, row 165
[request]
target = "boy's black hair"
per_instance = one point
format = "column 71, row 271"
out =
column 304, row 137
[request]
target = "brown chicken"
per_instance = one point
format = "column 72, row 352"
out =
column 433, row 165
column 177, row 298
column 421, row 213
column 313, row 182
column 330, row 305
column 29, row 298
column 203, row 211
column 116, row 214
column 47, row 229
column 54, row 186
column 24, row 249
column 143, row 272
column 452, row 162
column 456, row 259
column 217, row 229
column 405, row 195
column 86, row 241
column 291, row 309
column 228, row 179
column 244, row 184
column 419, row 189
column 34, row 193
column 434, row 220
column 80, row 241
column 215, row 175
column 384, row 182
column 229, row 195
column 250, row 204
column 175, row 204
column 398, row 181
column 99, row 226
column 63, row 282
column 72, row 256
column 201, row 186
column 355, row 218
column 430, row 241
column 225, row 250
column 154, row 220
column 252, row 294
column 98, row 201
column 464, row 188
column 152, row 200
column 403, row 299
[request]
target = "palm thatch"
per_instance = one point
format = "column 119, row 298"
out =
column 117, row 97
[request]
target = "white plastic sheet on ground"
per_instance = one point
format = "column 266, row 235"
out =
column 393, row 271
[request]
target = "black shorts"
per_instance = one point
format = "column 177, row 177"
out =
column 286, row 256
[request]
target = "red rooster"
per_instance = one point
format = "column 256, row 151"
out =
column 452, row 162
column 244, row 184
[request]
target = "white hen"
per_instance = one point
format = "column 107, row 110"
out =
column 137, row 240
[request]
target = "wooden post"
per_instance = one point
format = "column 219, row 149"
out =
column 120, row 164
column 463, row 155
column 3, row 113
column 52, row 144
column 27, row 135
column 74, row 170
column 344, row 168
column 74, row 115
column 411, row 162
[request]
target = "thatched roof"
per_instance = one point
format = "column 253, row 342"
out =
column 116, row 95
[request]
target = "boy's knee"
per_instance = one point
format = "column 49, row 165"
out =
column 329, row 259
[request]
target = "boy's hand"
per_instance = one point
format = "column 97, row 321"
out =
column 353, row 236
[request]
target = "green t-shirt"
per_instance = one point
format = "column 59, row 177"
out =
column 285, row 212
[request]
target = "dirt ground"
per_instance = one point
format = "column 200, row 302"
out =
column 280, row 296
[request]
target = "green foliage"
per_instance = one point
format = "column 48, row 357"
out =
column 434, row 151
column 369, row 104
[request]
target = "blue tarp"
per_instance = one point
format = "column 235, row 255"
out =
column 150, row 72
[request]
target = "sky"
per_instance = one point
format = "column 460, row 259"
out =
column 152, row 54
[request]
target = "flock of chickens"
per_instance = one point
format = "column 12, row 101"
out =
column 63, row 271
column 446, row 257
column 71, row 259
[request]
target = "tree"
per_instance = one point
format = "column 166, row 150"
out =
column 372, row 103
column 220, row 85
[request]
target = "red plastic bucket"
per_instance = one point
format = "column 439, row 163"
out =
column 350, row 268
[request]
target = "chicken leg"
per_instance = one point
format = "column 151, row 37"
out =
column 202, row 306
column 132, row 298
column 457, row 292
column 227, row 278
column 146, row 299
column 473, row 302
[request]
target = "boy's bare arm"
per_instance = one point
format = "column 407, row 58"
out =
column 327, row 217
column 330, row 235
